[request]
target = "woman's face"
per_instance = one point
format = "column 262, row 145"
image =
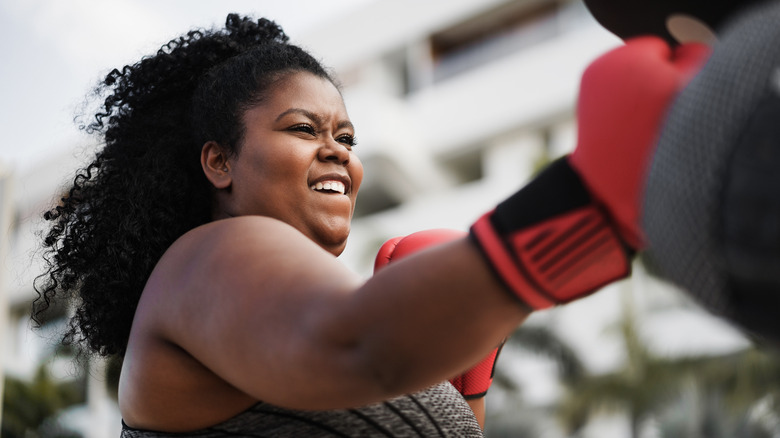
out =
column 296, row 162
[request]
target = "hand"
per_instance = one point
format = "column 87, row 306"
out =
column 624, row 96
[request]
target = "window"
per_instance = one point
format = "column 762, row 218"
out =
column 493, row 34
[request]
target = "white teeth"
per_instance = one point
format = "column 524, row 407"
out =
column 335, row 186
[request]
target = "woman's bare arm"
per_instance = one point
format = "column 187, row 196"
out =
column 284, row 321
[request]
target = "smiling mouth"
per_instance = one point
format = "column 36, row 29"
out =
column 329, row 187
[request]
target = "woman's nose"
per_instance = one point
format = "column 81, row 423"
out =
column 334, row 151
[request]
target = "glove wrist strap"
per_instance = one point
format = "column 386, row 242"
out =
column 549, row 243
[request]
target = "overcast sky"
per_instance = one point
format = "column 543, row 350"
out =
column 54, row 52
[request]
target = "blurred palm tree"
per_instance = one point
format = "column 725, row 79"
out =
column 728, row 390
column 516, row 418
column 737, row 395
column 544, row 342
column 644, row 384
column 30, row 408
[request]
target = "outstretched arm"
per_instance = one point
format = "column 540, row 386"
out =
column 322, row 337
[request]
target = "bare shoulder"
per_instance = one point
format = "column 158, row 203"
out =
column 196, row 287
column 235, row 245
column 242, row 257
column 234, row 237
column 215, row 307
column 226, row 267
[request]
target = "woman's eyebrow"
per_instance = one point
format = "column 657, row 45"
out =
column 345, row 124
column 314, row 117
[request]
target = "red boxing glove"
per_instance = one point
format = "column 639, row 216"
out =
column 402, row 246
column 624, row 96
column 475, row 382
column 573, row 228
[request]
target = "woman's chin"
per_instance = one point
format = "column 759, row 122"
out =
column 333, row 240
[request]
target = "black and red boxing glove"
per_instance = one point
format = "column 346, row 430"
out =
column 624, row 97
column 402, row 246
column 574, row 228
column 475, row 382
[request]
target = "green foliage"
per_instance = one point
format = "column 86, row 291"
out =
column 545, row 343
column 30, row 407
column 729, row 389
column 734, row 395
column 515, row 417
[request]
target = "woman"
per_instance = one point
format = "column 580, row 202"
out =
column 201, row 245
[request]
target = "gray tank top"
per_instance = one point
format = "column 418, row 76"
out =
column 439, row 411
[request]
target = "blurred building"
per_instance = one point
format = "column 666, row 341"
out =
column 456, row 103
column 23, row 199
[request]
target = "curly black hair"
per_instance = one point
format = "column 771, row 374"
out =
column 145, row 186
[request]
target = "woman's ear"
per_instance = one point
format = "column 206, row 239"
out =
column 214, row 161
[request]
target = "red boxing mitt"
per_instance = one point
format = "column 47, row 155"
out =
column 475, row 382
column 402, row 246
column 624, row 96
column 573, row 229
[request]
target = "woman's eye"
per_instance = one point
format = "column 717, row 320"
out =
column 347, row 140
column 308, row 129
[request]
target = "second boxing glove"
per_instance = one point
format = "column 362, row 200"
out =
column 475, row 382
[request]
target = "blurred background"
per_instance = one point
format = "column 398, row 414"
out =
column 456, row 104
